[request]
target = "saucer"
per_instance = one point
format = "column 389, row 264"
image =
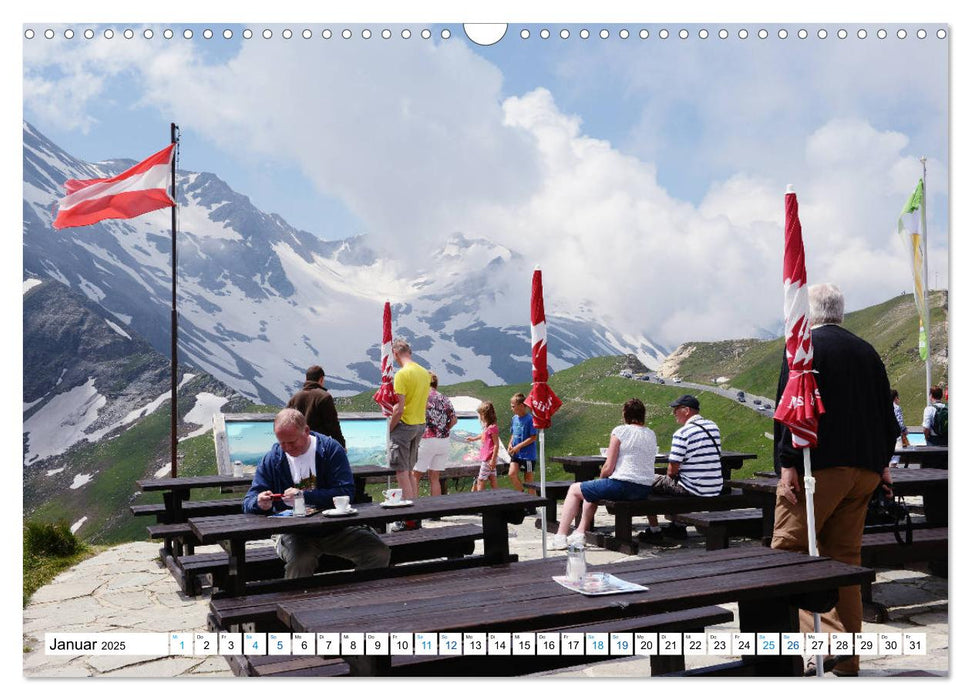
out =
column 399, row 504
column 334, row 513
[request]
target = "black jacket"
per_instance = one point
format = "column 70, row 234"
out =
column 858, row 428
column 317, row 405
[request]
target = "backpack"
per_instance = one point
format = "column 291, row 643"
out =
column 939, row 422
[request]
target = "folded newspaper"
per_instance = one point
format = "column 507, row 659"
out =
column 599, row 583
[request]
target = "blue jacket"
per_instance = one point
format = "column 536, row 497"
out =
column 334, row 477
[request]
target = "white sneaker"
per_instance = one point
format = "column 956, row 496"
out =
column 577, row 538
column 559, row 542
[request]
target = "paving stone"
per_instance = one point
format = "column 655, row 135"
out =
column 212, row 665
column 937, row 617
column 131, row 580
column 135, row 600
column 62, row 671
column 79, row 588
column 162, row 668
column 104, row 664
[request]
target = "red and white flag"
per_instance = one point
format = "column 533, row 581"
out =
column 140, row 189
column 385, row 396
column 542, row 400
column 800, row 406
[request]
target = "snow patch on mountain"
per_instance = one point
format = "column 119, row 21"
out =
column 80, row 480
column 77, row 525
column 30, row 284
column 206, row 406
column 117, row 329
column 62, row 421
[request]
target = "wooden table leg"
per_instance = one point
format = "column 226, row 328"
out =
column 495, row 536
column 235, row 575
column 716, row 537
column 369, row 665
column 768, row 517
column 770, row 615
column 624, row 531
column 935, row 513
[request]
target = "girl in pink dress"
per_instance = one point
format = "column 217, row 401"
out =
column 489, row 450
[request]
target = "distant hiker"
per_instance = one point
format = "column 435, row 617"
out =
column 489, row 449
column 935, row 418
column 433, row 450
column 694, row 464
column 302, row 461
column 857, row 435
column 412, row 384
column 627, row 475
column 317, row 405
column 522, row 442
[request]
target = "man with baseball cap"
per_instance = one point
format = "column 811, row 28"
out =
column 694, row 463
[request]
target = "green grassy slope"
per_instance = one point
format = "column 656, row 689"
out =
column 891, row 327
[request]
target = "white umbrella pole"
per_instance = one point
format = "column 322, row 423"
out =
column 810, row 486
column 542, row 484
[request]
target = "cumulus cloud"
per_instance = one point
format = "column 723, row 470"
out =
column 419, row 142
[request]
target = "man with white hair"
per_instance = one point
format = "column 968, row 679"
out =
column 316, row 465
column 857, row 435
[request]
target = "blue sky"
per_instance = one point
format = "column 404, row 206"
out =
column 599, row 158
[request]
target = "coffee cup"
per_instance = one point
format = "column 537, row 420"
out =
column 392, row 495
column 237, row 468
column 342, row 503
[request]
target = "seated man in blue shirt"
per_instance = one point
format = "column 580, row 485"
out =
column 308, row 462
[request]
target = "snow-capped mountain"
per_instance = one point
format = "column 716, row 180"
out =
column 259, row 300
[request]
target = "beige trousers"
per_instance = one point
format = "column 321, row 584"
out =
column 840, row 501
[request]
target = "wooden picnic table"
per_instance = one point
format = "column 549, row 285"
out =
column 176, row 491
column 930, row 484
column 587, row 467
column 497, row 508
column 927, row 456
column 522, row 597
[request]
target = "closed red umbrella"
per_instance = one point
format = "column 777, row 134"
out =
column 542, row 400
column 385, row 396
column 800, row 406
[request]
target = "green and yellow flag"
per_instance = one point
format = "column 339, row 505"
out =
column 908, row 226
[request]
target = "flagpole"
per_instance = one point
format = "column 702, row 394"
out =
column 174, row 440
column 923, row 233
column 542, row 484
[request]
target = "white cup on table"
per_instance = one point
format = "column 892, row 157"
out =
column 392, row 496
column 342, row 504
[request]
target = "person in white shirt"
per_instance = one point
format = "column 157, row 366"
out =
column 627, row 475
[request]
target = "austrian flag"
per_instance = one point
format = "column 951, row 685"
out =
column 140, row 189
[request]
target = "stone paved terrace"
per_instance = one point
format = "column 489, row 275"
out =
column 127, row 590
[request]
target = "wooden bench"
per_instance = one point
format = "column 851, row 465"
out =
column 191, row 509
column 718, row 526
column 881, row 549
column 624, row 511
column 691, row 620
column 451, row 542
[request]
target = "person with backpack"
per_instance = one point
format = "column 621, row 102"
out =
column 935, row 418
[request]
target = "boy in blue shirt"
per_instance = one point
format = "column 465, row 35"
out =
column 522, row 442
